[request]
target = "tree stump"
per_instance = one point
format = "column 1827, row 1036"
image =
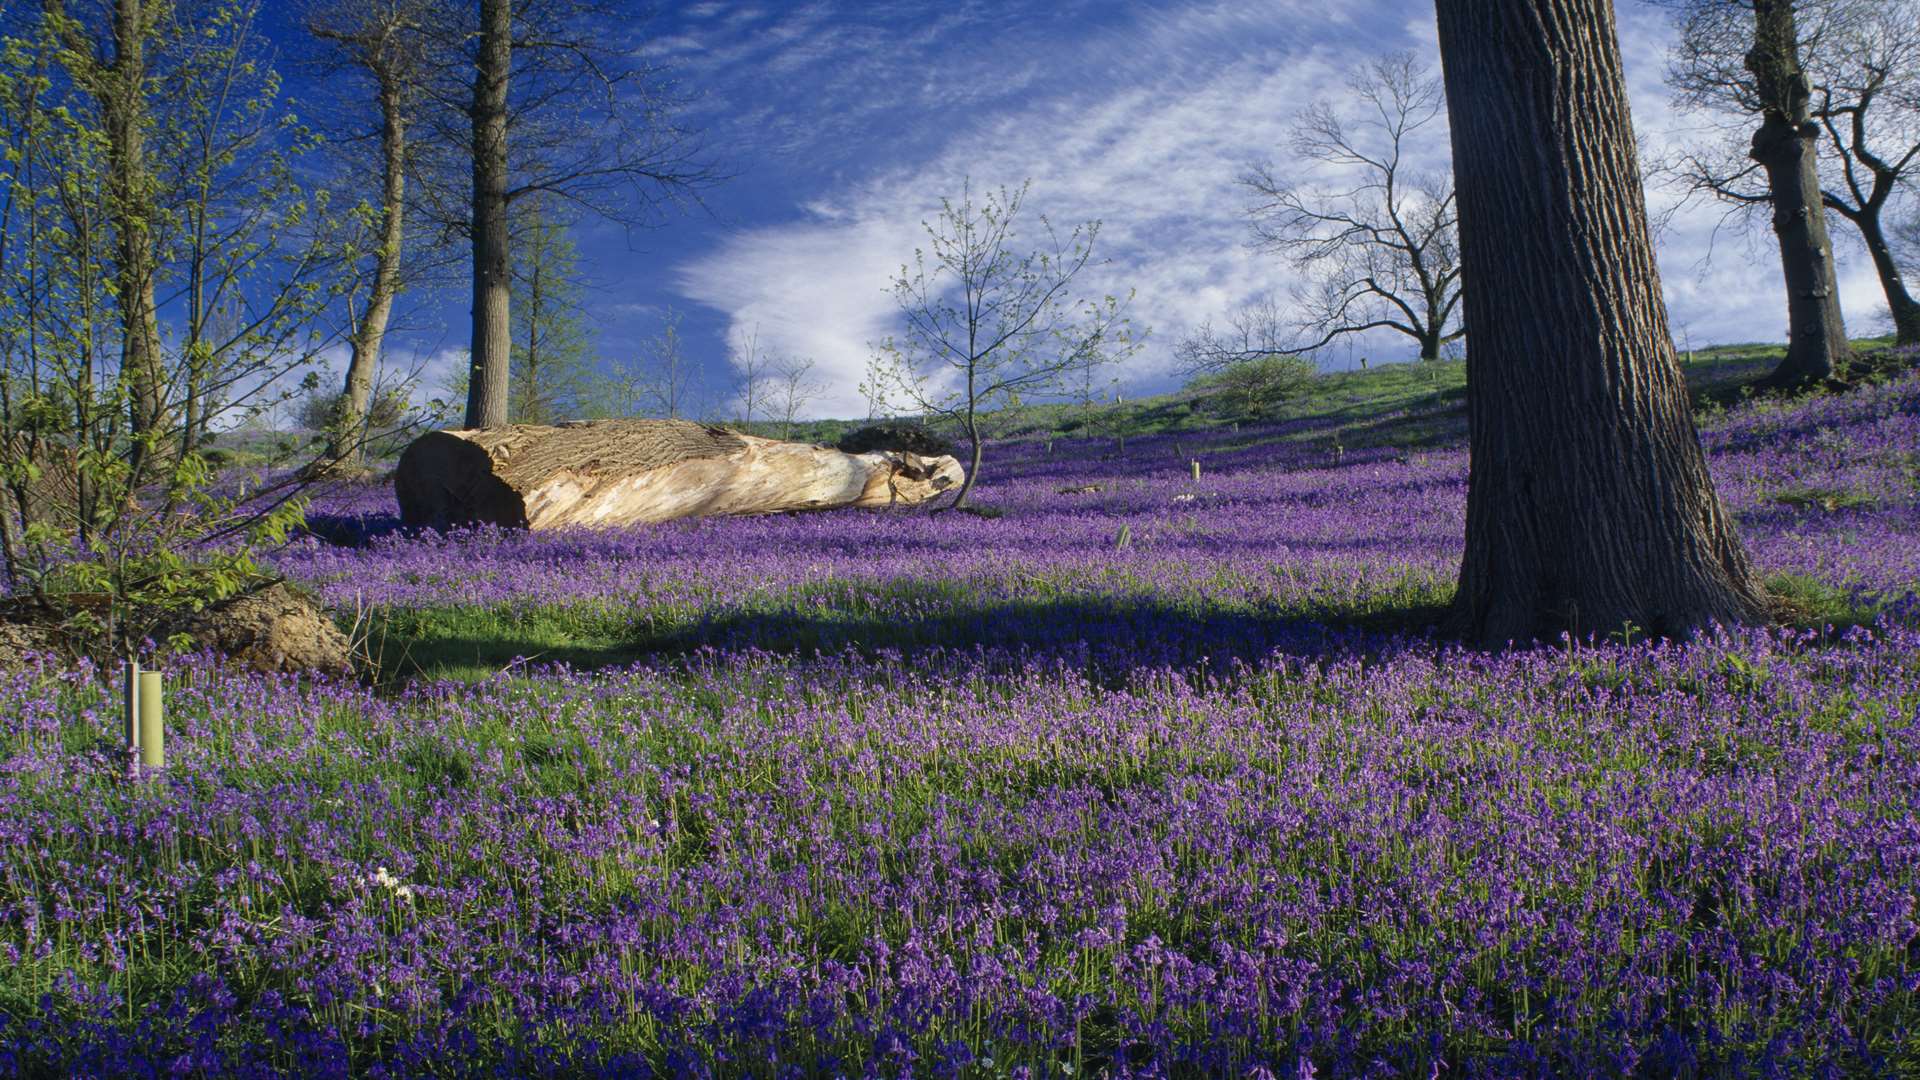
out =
column 624, row 472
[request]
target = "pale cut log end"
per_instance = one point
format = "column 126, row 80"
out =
column 908, row 479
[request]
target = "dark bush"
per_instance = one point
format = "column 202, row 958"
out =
column 1251, row 389
column 895, row 435
column 319, row 411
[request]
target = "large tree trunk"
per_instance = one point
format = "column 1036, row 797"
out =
column 350, row 435
column 1430, row 344
column 623, row 472
column 1784, row 146
column 492, row 333
column 1589, row 506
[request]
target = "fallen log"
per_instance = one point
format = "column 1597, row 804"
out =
column 623, row 472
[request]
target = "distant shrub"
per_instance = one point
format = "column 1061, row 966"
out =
column 1254, row 388
column 390, row 419
column 319, row 411
column 895, row 435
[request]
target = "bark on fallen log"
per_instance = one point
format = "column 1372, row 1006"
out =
column 622, row 472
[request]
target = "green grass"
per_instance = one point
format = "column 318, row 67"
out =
column 472, row 643
column 1407, row 404
column 1807, row 604
column 1808, row 496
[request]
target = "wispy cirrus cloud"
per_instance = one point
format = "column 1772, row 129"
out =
column 1139, row 117
column 1166, row 114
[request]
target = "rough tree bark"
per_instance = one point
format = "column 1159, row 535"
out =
column 349, row 436
column 1589, row 506
column 1783, row 145
column 492, row 333
column 1900, row 302
column 623, row 472
column 121, row 87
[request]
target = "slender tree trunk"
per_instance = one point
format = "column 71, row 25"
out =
column 492, row 333
column 1900, row 302
column 1589, row 506
column 349, row 435
column 973, row 462
column 130, row 194
column 1784, row 146
column 532, row 408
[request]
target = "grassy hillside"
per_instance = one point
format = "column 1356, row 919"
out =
column 1410, row 404
column 1363, row 468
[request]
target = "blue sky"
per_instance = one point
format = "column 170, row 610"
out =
column 845, row 121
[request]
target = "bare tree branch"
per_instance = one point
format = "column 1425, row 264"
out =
column 1375, row 245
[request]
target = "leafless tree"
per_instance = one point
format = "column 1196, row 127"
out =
column 1256, row 332
column 751, row 366
column 1868, row 104
column 659, row 380
column 987, row 325
column 794, row 388
column 1375, row 240
column 1839, row 77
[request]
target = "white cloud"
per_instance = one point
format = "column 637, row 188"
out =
column 1149, row 138
column 1153, row 156
column 814, row 290
column 424, row 374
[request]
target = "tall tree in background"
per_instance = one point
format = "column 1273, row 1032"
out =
column 551, row 347
column 490, row 354
column 1868, row 102
column 1743, row 57
column 1853, row 79
column 1589, row 505
column 1376, row 246
column 380, row 41
column 550, row 99
column 1784, row 147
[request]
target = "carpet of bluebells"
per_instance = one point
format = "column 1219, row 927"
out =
column 1108, row 784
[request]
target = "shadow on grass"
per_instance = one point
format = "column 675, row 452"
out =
column 1111, row 639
